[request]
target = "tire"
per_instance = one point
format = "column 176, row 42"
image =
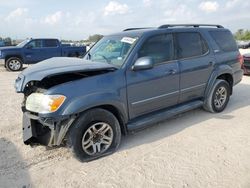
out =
column 14, row 64
column 82, row 141
column 218, row 97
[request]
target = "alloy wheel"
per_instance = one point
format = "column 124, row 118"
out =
column 220, row 97
column 14, row 64
column 97, row 138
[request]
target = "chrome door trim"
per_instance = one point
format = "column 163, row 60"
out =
column 193, row 87
column 153, row 98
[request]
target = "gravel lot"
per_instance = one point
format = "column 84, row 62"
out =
column 196, row 149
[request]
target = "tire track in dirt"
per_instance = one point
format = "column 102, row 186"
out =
column 39, row 158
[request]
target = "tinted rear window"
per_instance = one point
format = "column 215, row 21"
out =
column 190, row 45
column 225, row 40
column 50, row 43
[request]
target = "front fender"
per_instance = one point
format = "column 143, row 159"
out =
column 86, row 102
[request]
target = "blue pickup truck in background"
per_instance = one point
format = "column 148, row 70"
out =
column 32, row 51
column 2, row 43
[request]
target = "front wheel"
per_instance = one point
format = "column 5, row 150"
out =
column 14, row 64
column 95, row 134
column 219, row 97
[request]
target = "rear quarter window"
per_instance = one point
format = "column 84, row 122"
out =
column 225, row 40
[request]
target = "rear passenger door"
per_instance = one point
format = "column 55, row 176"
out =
column 196, row 64
column 156, row 88
column 51, row 48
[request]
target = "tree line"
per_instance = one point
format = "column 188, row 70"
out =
column 242, row 34
column 91, row 39
column 6, row 41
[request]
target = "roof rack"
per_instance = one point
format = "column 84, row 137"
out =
column 189, row 25
column 130, row 29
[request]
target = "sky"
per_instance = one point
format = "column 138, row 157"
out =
column 76, row 20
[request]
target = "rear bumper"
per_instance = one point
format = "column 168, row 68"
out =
column 44, row 131
column 238, row 76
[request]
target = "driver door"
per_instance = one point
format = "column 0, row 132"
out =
column 33, row 51
column 157, row 88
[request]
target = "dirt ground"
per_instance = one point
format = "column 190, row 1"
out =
column 196, row 149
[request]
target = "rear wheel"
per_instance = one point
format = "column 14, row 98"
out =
column 14, row 64
column 219, row 97
column 95, row 134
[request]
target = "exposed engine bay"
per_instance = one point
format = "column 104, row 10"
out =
column 50, row 81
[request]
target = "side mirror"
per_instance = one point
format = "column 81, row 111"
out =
column 143, row 63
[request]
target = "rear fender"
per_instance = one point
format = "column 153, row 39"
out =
column 220, row 70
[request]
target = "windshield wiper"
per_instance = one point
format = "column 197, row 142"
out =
column 104, row 57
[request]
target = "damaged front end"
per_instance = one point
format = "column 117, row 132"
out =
column 45, row 131
column 41, row 125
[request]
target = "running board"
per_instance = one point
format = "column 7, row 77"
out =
column 143, row 122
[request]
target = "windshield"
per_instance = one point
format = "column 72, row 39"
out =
column 22, row 44
column 112, row 49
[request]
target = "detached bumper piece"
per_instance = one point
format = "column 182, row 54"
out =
column 44, row 131
column 246, row 66
column 246, row 69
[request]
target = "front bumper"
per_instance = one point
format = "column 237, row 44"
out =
column 45, row 131
column 237, row 76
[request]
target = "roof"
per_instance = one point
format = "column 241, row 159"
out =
column 134, row 33
column 140, row 31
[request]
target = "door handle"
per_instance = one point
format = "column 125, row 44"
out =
column 171, row 72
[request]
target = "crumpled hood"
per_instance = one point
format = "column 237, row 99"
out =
column 56, row 66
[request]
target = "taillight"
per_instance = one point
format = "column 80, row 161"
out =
column 240, row 59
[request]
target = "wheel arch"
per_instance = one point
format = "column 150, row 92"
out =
column 115, row 109
column 229, row 78
column 14, row 56
column 116, row 112
column 223, row 72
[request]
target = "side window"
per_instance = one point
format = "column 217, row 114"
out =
column 159, row 47
column 35, row 44
column 50, row 43
column 190, row 45
column 225, row 40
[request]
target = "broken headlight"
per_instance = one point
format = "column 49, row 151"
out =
column 41, row 103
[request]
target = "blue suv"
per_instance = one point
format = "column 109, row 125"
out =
column 126, row 82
